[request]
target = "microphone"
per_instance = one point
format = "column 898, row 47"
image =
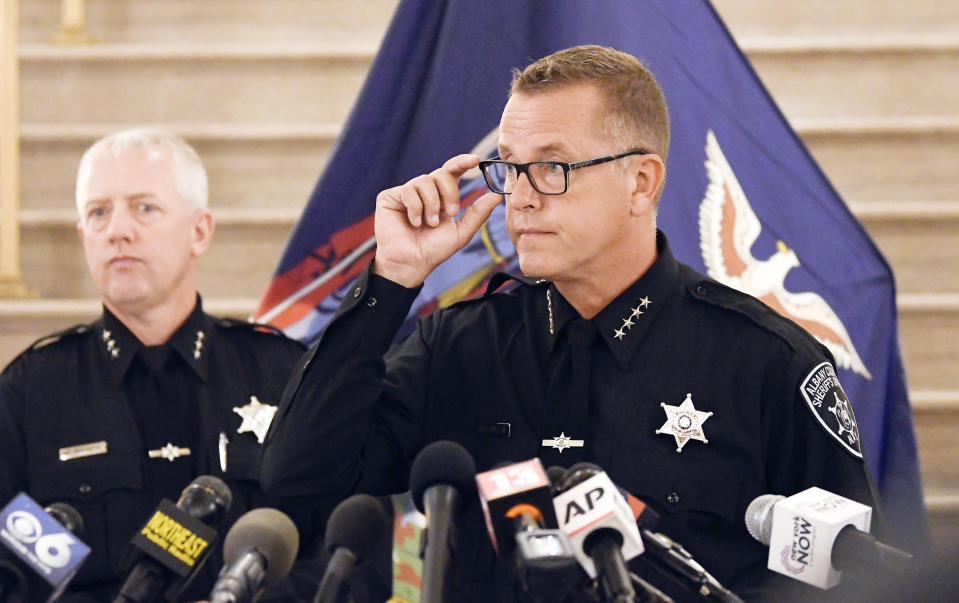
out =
column 518, row 509
column 40, row 555
column 356, row 528
column 442, row 482
column 66, row 516
column 815, row 535
column 258, row 552
column 556, row 475
column 168, row 552
column 660, row 551
column 600, row 527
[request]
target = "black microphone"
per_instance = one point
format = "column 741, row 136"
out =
column 39, row 555
column 556, row 475
column 168, row 552
column 357, row 527
column 258, row 552
column 671, row 558
column 67, row 516
column 442, row 483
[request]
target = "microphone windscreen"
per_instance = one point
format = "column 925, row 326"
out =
column 272, row 534
column 68, row 517
column 579, row 473
column 759, row 516
column 358, row 524
column 206, row 498
column 214, row 486
column 555, row 475
column 442, row 462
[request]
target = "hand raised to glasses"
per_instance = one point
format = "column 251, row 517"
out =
column 416, row 226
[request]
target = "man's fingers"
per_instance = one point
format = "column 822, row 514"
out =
column 476, row 214
column 410, row 199
column 449, row 192
column 429, row 197
column 447, row 179
column 458, row 165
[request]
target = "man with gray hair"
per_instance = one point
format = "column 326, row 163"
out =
column 112, row 416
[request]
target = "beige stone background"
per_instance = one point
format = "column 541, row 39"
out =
column 262, row 88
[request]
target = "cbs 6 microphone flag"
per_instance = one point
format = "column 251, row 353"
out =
column 39, row 556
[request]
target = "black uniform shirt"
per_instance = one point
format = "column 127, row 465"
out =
column 99, row 383
column 484, row 373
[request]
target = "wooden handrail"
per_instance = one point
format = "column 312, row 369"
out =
column 11, row 277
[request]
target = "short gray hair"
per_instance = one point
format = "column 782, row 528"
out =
column 188, row 170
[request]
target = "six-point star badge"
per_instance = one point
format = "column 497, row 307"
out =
column 256, row 418
column 684, row 422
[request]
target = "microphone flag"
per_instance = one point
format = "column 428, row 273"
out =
column 437, row 88
column 48, row 553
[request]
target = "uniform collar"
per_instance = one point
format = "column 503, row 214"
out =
column 119, row 346
column 624, row 321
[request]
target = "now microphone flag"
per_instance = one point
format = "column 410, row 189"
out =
column 743, row 196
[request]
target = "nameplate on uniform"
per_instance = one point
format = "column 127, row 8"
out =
column 83, row 450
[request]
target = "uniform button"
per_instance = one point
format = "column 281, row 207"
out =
column 701, row 290
column 357, row 292
column 672, row 498
column 371, row 302
column 85, row 488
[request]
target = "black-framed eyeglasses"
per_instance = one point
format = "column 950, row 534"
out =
column 546, row 177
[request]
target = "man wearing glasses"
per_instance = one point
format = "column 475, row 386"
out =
column 686, row 392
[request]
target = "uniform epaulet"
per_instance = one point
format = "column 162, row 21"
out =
column 59, row 335
column 233, row 323
column 723, row 296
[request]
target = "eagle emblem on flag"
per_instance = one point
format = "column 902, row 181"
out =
column 728, row 228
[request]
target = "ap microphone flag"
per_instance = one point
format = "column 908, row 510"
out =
column 743, row 196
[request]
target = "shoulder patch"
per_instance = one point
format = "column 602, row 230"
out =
column 55, row 337
column 829, row 404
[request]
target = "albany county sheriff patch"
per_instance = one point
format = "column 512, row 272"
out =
column 831, row 407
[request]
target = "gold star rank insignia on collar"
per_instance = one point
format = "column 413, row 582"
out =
column 684, row 423
column 256, row 418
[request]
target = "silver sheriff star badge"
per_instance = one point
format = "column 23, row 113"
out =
column 562, row 442
column 256, row 418
column 684, row 422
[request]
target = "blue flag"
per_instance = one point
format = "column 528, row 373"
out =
column 744, row 201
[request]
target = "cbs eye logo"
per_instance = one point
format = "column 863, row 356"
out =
column 51, row 549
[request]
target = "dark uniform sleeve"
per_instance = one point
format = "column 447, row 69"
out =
column 341, row 426
column 802, row 451
column 805, row 451
column 13, row 463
